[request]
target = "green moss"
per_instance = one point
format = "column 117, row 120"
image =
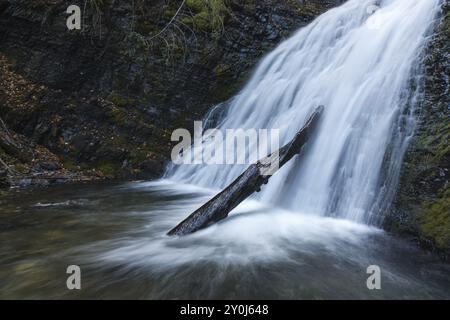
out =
column 435, row 221
column 70, row 165
column 118, row 100
column 20, row 167
column 202, row 20
column 434, row 142
column 442, row 139
column 210, row 15
column 229, row 89
column 169, row 13
column 145, row 27
column 218, row 12
column 138, row 156
column 135, row 43
column 108, row 169
column 307, row 9
column 196, row 5
column 118, row 116
column 189, row 21
column 118, row 113
column 116, row 142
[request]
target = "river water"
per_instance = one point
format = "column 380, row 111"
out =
column 116, row 234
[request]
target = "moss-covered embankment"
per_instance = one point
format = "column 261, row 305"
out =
column 422, row 206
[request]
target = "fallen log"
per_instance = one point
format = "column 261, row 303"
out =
column 246, row 184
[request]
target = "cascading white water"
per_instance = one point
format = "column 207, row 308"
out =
column 359, row 65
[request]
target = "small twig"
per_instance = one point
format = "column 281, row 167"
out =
column 7, row 167
column 8, row 136
column 170, row 22
column 184, row 41
column 5, row 127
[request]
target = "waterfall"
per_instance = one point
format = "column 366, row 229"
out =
column 359, row 61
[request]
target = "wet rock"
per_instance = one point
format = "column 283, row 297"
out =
column 49, row 165
column 421, row 208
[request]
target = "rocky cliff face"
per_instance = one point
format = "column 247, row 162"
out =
column 422, row 206
column 106, row 98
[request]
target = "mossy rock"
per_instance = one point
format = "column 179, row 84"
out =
column 70, row 165
column 210, row 15
column 169, row 13
column 435, row 221
column 138, row 156
column 202, row 20
column 110, row 170
column 196, row 5
column 22, row 168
